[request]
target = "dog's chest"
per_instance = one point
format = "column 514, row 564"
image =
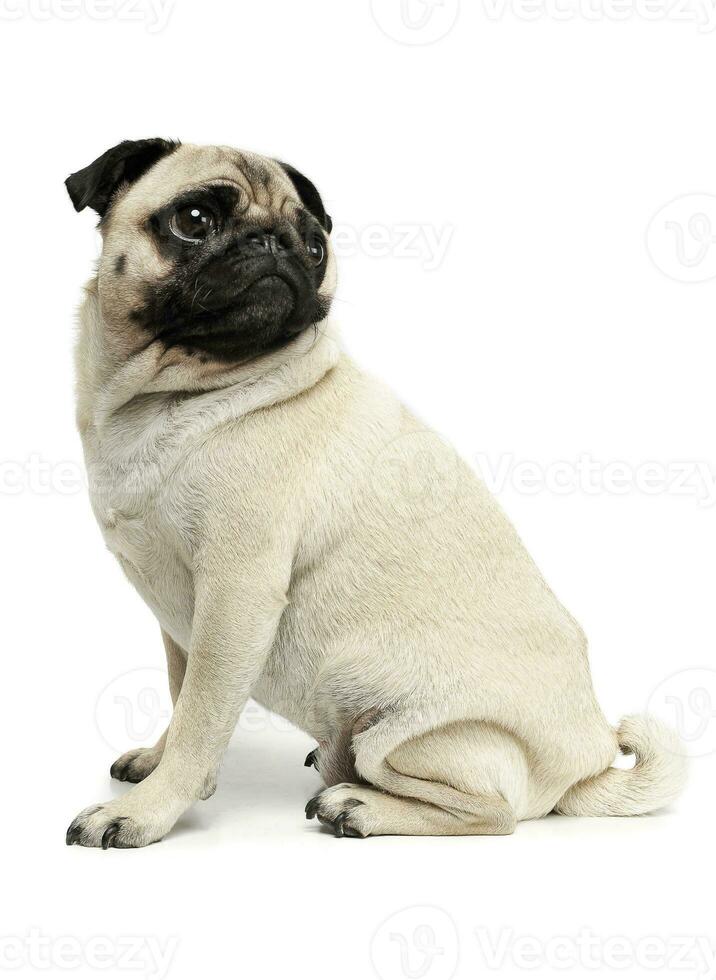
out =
column 138, row 518
column 153, row 563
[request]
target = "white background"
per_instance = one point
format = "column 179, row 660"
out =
column 569, row 321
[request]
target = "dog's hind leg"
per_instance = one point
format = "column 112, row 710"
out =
column 462, row 778
column 354, row 810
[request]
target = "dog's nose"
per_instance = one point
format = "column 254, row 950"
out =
column 268, row 241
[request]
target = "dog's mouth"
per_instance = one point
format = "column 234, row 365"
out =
column 264, row 301
column 237, row 307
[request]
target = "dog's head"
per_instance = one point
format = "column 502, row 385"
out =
column 215, row 253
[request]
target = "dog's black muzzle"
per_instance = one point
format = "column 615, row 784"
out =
column 247, row 292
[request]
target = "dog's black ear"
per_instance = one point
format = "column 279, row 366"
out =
column 94, row 186
column 310, row 198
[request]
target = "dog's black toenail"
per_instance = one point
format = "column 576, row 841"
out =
column 74, row 832
column 312, row 759
column 312, row 808
column 109, row 835
column 339, row 824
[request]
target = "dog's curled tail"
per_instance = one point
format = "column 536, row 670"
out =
column 657, row 778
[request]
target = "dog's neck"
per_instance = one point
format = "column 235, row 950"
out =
column 109, row 381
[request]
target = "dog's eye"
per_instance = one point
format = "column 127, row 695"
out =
column 192, row 223
column 316, row 250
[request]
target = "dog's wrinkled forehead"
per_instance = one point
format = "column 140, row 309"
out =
column 266, row 187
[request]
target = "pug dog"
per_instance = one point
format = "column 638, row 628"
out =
column 305, row 541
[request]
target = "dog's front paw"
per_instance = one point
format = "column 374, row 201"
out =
column 130, row 821
column 135, row 765
column 339, row 808
column 104, row 826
